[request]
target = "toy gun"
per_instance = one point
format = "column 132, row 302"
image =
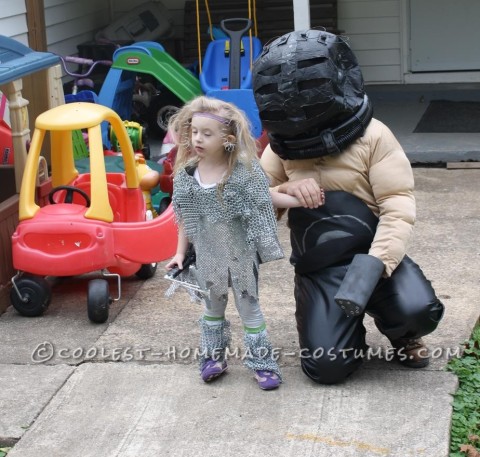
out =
column 186, row 281
column 189, row 260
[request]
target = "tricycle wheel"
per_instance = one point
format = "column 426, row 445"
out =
column 161, row 108
column 147, row 270
column 35, row 292
column 98, row 300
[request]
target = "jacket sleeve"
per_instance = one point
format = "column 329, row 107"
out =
column 262, row 223
column 273, row 167
column 391, row 179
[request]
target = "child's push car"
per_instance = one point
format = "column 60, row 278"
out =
column 93, row 221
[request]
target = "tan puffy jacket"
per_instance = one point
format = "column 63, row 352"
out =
column 375, row 169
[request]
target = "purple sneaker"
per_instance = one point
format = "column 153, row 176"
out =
column 212, row 369
column 267, row 380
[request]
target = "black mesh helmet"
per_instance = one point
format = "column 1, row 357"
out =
column 307, row 81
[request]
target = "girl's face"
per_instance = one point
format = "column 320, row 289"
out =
column 208, row 136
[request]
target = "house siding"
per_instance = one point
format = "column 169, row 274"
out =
column 69, row 23
column 374, row 32
column 13, row 21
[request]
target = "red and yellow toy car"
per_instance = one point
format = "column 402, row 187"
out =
column 93, row 221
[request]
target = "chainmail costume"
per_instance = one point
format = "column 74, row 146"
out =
column 233, row 232
column 214, row 340
column 259, row 353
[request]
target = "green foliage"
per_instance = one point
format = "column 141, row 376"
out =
column 4, row 451
column 465, row 431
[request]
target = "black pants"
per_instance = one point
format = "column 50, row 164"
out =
column 402, row 306
column 332, row 344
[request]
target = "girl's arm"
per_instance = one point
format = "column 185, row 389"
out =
column 281, row 200
column 182, row 245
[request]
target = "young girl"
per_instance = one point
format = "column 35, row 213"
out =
column 223, row 206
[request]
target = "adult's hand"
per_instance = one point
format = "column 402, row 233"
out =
column 307, row 191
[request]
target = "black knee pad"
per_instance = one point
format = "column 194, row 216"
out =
column 405, row 305
column 426, row 319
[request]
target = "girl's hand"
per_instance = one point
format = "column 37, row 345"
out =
column 176, row 261
column 284, row 201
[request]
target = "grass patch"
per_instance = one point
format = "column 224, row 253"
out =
column 465, row 431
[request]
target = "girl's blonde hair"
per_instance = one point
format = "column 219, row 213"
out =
column 245, row 146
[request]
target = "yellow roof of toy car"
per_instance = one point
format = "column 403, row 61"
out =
column 61, row 121
column 73, row 116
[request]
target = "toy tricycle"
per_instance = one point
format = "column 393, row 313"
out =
column 92, row 221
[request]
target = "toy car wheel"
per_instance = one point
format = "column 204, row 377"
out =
column 161, row 108
column 98, row 300
column 164, row 202
column 147, row 270
column 36, row 294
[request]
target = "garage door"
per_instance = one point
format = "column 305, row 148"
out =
column 444, row 35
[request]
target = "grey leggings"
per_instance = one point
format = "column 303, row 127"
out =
column 248, row 307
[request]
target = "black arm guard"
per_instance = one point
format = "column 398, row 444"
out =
column 359, row 283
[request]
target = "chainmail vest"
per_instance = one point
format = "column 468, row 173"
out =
column 233, row 232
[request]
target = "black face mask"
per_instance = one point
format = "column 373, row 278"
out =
column 328, row 141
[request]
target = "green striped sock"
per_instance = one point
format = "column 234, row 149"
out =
column 255, row 329
column 213, row 320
